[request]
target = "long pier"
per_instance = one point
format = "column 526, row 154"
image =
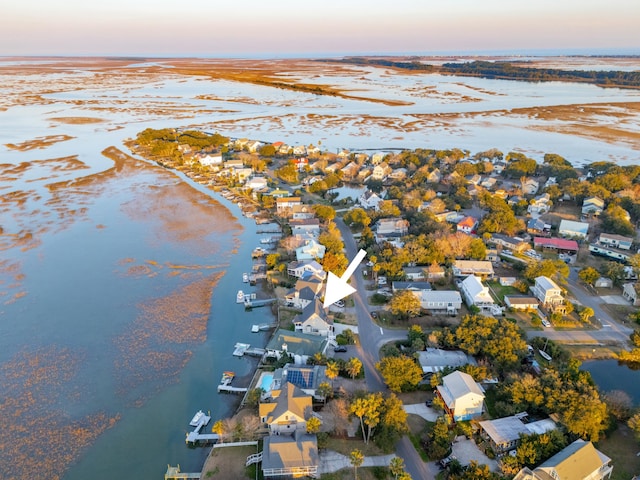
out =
column 230, row 389
column 196, row 436
column 258, row 303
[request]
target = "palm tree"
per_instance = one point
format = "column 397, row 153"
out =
column 354, row 367
column 396, row 465
column 357, row 458
column 332, row 371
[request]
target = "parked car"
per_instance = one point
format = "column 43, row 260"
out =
column 340, row 348
column 546, row 322
column 444, row 463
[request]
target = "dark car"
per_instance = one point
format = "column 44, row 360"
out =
column 340, row 348
column 429, row 403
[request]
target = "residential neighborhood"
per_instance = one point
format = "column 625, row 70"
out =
column 473, row 280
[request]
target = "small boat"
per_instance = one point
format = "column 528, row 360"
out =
column 245, row 277
column 227, row 377
column 240, row 297
column 198, row 418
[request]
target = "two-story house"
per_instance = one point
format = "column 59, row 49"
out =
column 462, row 397
column 314, row 320
column 548, row 293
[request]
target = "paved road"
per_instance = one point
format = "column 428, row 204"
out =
column 372, row 337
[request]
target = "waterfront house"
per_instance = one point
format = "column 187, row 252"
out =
column 578, row 461
column 463, row 268
column 256, row 183
column 301, row 269
column 569, row 228
column 299, row 298
column 314, row 320
column 285, row 205
column 311, row 250
column 475, row 293
column 615, row 241
column 301, row 212
column 209, row 159
column 462, row 397
column 287, row 411
column 503, row 434
column 305, row 227
column 298, row 345
column 306, row 377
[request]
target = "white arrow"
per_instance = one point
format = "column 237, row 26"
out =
column 338, row 288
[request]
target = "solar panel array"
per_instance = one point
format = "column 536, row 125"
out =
column 301, row 378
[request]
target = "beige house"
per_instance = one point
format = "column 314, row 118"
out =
column 578, row 461
column 287, row 412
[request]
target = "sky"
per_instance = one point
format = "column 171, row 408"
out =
column 285, row 28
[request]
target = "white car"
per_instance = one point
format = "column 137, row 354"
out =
column 546, row 323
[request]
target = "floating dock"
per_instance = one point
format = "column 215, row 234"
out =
column 199, row 418
column 227, row 377
column 263, row 327
column 258, row 303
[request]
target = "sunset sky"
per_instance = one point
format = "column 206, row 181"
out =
column 287, row 28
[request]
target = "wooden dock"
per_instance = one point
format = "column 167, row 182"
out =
column 174, row 473
column 248, row 304
column 230, row 389
column 200, row 421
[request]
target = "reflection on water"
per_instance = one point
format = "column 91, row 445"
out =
column 110, row 339
column 612, row 375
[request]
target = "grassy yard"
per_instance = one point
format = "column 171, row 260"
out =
column 622, row 448
column 502, row 290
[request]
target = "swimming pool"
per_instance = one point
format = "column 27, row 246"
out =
column 265, row 381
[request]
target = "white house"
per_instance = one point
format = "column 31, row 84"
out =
column 630, row 292
column 530, row 186
column 300, row 269
column 440, row 301
column 467, row 225
column 569, row 228
column 369, row 199
column 306, row 227
column 592, row 206
column 392, row 226
column 210, row 159
column 475, row 293
column 547, row 292
column 615, row 241
column 462, row 397
column 256, row 183
column 540, row 204
column 311, row 250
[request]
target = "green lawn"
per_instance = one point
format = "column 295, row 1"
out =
column 500, row 291
column 622, row 448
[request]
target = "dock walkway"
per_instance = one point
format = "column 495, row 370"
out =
column 174, row 473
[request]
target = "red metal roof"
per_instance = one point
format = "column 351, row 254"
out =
column 559, row 243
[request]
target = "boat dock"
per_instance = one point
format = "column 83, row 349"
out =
column 174, row 473
column 227, row 377
column 263, row 327
column 199, row 421
column 258, row 303
column 242, row 349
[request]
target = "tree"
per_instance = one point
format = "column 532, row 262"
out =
column 400, row 373
column 396, row 466
column 589, row 275
column 325, row 213
column 218, row 428
column 634, row 424
column 354, row 367
column 619, row 404
column 404, row 304
column 325, row 390
column 253, row 397
column 549, row 268
column 357, row 458
column 585, row 314
column 357, row 217
column 267, row 151
column 313, row 425
column 394, row 415
column 332, row 371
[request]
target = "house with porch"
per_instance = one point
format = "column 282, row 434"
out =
column 615, row 241
column 462, row 397
column 481, row 268
column 314, row 320
column 289, row 456
column 503, row 434
column 287, row 410
column 548, row 293
column 440, row 301
column 476, row 294
column 578, row 461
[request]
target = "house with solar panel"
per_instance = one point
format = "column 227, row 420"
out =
column 288, row 451
column 306, row 377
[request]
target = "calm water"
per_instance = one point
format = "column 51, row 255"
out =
column 84, row 265
column 612, row 375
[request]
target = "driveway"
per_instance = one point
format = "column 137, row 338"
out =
column 331, row 461
column 422, row 410
column 466, row 450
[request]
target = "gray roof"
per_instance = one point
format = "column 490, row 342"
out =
column 297, row 343
column 508, row 429
column 436, row 360
column 411, row 286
